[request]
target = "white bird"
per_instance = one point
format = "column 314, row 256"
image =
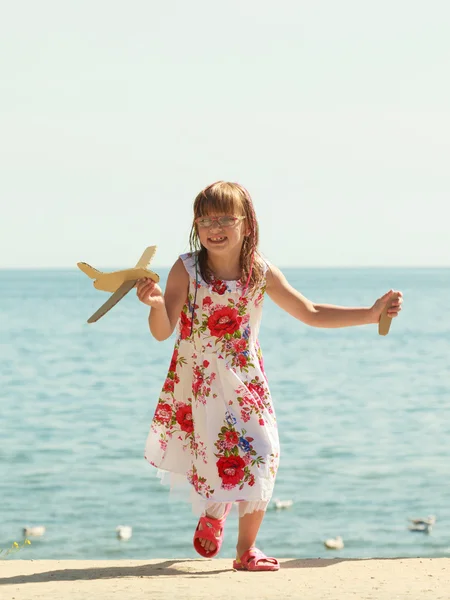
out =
column 37, row 531
column 422, row 525
column 124, row 532
column 334, row 543
column 280, row 504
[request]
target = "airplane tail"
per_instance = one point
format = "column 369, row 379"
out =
column 146, row 257
column 88, row 270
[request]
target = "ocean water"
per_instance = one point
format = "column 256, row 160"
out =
column 364, row 421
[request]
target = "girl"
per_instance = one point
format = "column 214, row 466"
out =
column 214, row 423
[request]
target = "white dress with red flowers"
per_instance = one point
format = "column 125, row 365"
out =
column 214, row 423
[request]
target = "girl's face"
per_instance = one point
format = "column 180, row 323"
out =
column 222, row 233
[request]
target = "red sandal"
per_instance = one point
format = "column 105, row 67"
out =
column 212, row 530
column 251, row 559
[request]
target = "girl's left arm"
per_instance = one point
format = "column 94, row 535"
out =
column 325, row 315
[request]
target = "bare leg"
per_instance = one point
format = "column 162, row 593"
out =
column 249, row 525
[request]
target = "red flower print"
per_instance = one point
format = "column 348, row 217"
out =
column 245, row 416
column 163, row 413
column 240, row 345
column 184, row 418
column 221, row 445
column 173, row 362
column 185, row 326
column 261, row 422
column 224, row 320
column 198, row 381
column 231, row 469
column 242, row 360
column 256, row 389
column 169, row 385
column 219, row 287
column 251, row 481
column 207, row 301
column 206, row 364
column 247, row 459
column 231, row 439
column 197, row 384
column 192, row 477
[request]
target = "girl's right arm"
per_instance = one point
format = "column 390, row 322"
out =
column 165, row 309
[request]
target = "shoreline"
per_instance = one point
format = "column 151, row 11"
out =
column 199, row 579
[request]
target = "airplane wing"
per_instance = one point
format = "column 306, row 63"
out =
column 146, row 257
column 112, row 300
column 90, row 271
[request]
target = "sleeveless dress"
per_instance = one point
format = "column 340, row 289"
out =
column 214, row 423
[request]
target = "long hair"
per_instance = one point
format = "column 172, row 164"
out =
column 230, row 199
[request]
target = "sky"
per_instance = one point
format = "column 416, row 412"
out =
column 334, row 115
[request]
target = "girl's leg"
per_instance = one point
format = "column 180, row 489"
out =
column 214, row 510
column 251, row 515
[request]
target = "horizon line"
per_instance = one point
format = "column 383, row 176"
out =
column 344, row 266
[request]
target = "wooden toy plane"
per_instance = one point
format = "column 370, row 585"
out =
column 385, row 321
column 119, row 283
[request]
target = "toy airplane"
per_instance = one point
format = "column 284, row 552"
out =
column 385, row 321
column 119, row 282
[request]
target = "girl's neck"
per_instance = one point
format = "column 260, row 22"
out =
column 225, row 268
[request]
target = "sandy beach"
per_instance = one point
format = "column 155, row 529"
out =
column 312, row 579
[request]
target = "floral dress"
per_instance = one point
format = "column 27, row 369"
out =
column 214, row 422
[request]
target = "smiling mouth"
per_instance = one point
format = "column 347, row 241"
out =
column 216, row 239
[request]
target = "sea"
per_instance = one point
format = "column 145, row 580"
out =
column 364, row 422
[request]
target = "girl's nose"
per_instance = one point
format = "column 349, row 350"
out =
column 215, row 225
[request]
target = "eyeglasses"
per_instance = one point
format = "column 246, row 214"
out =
column 223, row 222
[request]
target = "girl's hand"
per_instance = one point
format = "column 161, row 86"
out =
column 391, row 299
column 149, row 293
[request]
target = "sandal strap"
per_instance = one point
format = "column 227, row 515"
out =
column 209, row 531
column 254, row 555
column 212, row 529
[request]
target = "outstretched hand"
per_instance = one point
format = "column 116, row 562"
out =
column 392, row 298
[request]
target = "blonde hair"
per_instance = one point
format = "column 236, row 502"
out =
column 230, row 199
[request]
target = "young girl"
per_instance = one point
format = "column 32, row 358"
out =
column 214, row 423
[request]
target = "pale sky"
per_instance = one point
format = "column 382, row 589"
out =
column 334, row 114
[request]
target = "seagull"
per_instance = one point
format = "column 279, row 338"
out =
column 280, row 504
column 34, row 531
column 334, row 543
column 422, row 525
column 124, row 532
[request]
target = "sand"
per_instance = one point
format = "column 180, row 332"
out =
column 315, row 579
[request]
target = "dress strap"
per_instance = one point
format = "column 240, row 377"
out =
column 265, row 264
column 189, row 259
